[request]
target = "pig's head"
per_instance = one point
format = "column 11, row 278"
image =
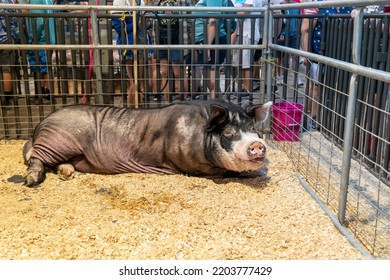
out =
column 234, row 143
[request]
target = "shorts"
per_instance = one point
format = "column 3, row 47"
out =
column 246, row 54
column 129, row 54
column 188, row 58
column 258, row 52
column 163, row 54
column 314, row 72
column 42, row 61
column 292, row 43
column 5, row 61
column 214, row 54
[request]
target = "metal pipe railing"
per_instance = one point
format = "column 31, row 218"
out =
column 350, row 117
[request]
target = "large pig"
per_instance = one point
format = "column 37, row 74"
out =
column 200, row 138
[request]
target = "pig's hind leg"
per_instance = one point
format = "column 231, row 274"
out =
column 35, row 173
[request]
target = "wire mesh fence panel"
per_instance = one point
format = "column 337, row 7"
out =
column 87, row 65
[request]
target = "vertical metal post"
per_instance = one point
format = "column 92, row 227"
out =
column 350, row 118
column 97, row 56
column 135, row 55
column 267, row 35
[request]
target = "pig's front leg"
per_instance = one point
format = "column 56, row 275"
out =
column 262, row 172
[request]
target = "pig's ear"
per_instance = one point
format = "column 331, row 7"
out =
column 259, row 112
column 219, row 116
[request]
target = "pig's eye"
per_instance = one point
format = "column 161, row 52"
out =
column 229, row 132
column 250, row 128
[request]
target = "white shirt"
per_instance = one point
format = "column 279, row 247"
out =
column 124, row 3
column 247, row 28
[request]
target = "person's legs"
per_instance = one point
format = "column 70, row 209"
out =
column 7, row 80
column 5, row 64
column 130, row 90
column 178, row 64
column 217, row 58
column 38, row 66
column 211, row 81
column 153, row 73
column 164, row 77
column 44, row 76
column 279, row 69
column 7, row 86
column 177, row 67
column 313, row 93
column 199, row 69
column 246, row 67
column 140, row 86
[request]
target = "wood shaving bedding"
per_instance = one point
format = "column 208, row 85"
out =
column 142, row 216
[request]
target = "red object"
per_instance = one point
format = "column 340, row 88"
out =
column 386, row 9
column 302, row 10
column 286, row 121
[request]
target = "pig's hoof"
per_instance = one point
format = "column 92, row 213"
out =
column 33, row 179
column 65, row 171
column 263, row 171
column 35, row 173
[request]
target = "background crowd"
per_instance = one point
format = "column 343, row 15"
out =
column 168, row 69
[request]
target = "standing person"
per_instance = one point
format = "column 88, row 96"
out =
column 248, row 36
column 260, row 69
column 289, row 36
column 171, row 58
column 216, row 34
column 40, row 60
column 5, row 55
column 124, row 26
column 315, row 47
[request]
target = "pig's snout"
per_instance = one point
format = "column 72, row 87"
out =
column 256, row 150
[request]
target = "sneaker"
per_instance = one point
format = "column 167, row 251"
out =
column 300, row 82
column 157, row 97
column 46, row 101
column 279, row 80
column 34, row 100
column 233, row 96
column 244, row 94
column 256, row 85
column 313, row 124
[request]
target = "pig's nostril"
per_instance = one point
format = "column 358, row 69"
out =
column 256, row 149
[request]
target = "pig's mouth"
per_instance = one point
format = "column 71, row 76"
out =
column 258, row 160
column 256, row 156
column 254, row 162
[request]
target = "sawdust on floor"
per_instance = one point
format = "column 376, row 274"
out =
column 141, row 216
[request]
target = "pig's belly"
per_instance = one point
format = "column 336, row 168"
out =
column 85, row 166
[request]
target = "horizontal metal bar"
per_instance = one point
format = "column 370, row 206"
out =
column 129, row 8
column 326, row 4
column 353, row 68
column 127, row 47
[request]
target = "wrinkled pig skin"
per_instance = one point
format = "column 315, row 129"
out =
column 200, row 138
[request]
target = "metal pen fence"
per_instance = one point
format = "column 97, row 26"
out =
column 345, row 160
